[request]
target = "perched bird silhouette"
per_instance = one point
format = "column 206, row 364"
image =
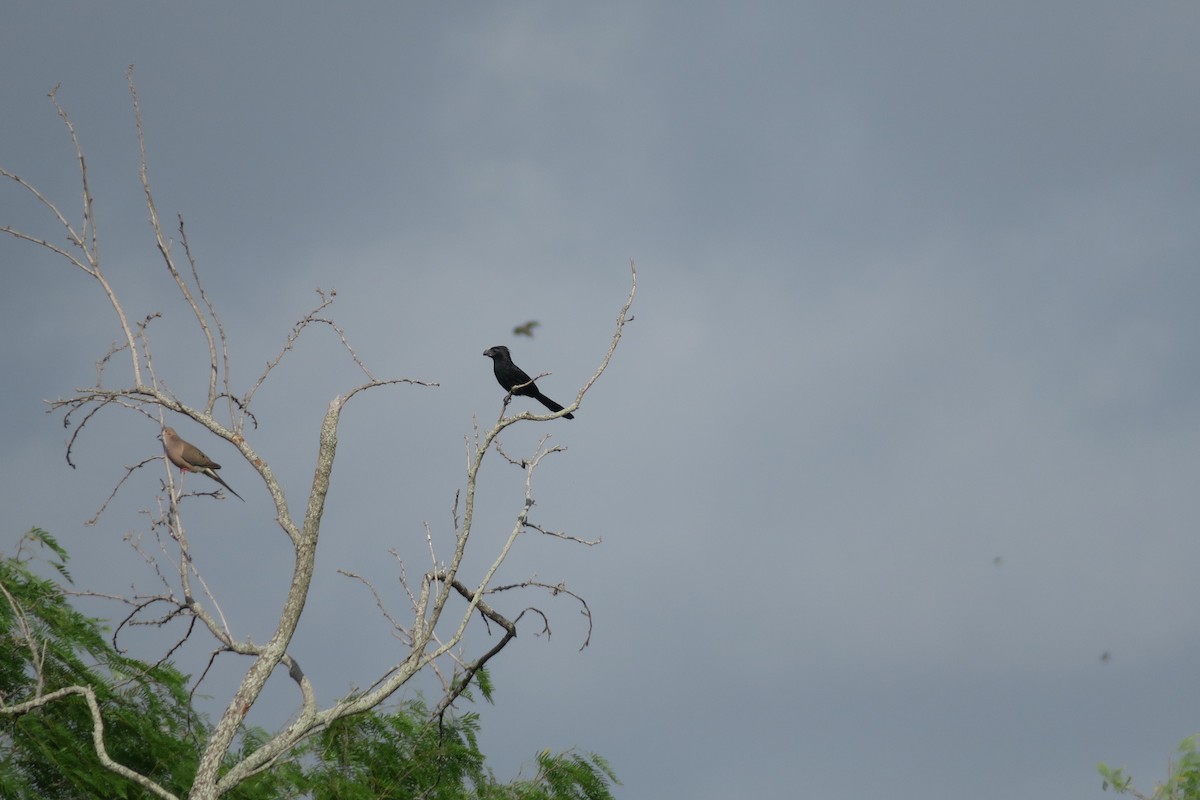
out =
column 189, row 458
column 514, row 379
column 526, row 329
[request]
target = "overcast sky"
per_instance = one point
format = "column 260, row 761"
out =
column 905, row 434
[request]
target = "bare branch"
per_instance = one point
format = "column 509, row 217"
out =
column 164, row 247
column 87, row 241
column 622, row 318
column 555, row 590
column 565, row 536
column 291, row 341
column 212, row 312
column 84, row 241
column 42, row 242
column 128, row 471
column 404, row 634
column 510, row 632
column 311, row 318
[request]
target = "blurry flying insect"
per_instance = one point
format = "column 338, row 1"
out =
column 526, row 329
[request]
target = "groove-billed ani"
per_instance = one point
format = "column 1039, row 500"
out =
column 511, row 377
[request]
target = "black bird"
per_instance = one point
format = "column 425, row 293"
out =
column 513, row 379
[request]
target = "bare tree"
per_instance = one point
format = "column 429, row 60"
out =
column 443, row 601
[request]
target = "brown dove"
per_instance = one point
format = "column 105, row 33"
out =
column 188, row 458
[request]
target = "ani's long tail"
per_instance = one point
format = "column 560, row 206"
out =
column 548, row 403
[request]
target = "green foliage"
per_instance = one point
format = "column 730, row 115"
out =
column 150, row 726
column 405, row 753
column 402, row 754
column 1114, row 779
column 1183, row 782
column 47, row 753
column 483, row 679
column 570, row 776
